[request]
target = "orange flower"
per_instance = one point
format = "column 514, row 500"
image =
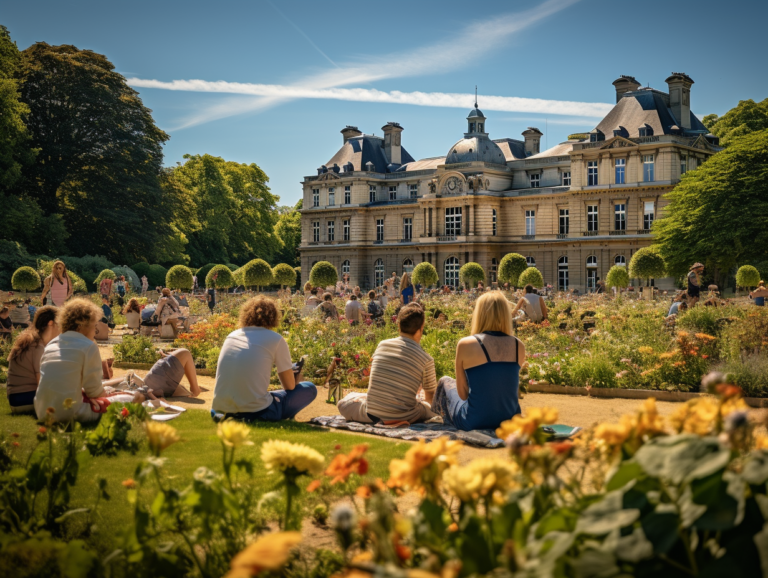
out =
column 270, row 553
column 313, row 485
column 343, row 465
column 423, row 464
column 129, row 483
column 363, row 492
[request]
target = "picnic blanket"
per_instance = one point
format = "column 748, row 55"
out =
column 428, row 431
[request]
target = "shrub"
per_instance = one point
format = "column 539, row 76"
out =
column 156, row 276
column 747, row 276
column 25, row 279
column 257, row 273
column 471, row 273
column 578, row 136
column 699, row 319
column 135, row 349
column 12, row 256
column 88, row 267
column 141, row 269
column 105, row 274
column 179, row 277
column 425, row 274
column 220, row 277
column 284, row 274
column 749, row 372
column 202, row 272
column 323, row 274
column 233, row 267
column 511, row 267
column 133, row 280
column 531, row 276
column 617, row 277
column 647, row 264
column 237, row 275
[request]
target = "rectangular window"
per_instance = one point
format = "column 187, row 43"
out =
column 371, row 193
column 453, row 221
column 566, row 179
column 331, row 231
column 347, row 195
column 648, row 214
column 407, row 228
column 564, row 221
column 392, row 193
column 413, row 191
column 621, row 171
column 493, row 222
column 648, row 168
column 331, row 197
column 535, row 180
column 592, row 218
column 591, row 173
column 316, row 231
column 683, row 164
column 345, row 229
column 620, row 217
column 315, row 197
column 530, row 222
column 379, row 229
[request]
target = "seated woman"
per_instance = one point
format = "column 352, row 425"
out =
column 132, row 312
column 327, row 308
column 245, row 365
column 164, row 379
column 531, row 307
column 71, row 371
column 759, row 294
column 24, row 360
column 485, row 391
column 168, row 311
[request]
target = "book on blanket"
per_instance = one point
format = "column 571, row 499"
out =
column 560, row 431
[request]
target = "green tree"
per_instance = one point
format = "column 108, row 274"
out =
column 257, row 273
column 288, row 231
column 745, row 118
column 647, row 263
column 531, row 276
column 617, row 277
column 220, row 277
column 25, row 279
column 284, row 274
column 425, row 274
column 471, row 273
column 323, row 274
column 156, row 277
column 747, row 276
column 706, row 219
column 511, row 267
column 202, row 272
column 179, row 277
column 100, row 153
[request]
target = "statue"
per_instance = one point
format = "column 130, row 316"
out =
column 432, row 186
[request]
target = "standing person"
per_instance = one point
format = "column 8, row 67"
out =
column 6, row 325
column 121, row 289
column 694, row 284
column 400, row 368
column 532, row 305
column 194, row 283
column 353, row 310
column 144, row 284
column 245, row 365
column 105, row 287
column 58, row 285
column 211, row 298
column 406, row 289
column 486, row 389
column 25, row 357
column 759, row 294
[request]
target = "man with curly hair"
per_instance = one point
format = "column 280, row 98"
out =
column 245, row 365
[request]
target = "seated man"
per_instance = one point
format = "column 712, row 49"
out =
column 531, row 307
column 354, row 311
column 245, row 365
column 399, row 370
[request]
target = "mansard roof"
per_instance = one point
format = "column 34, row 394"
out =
column 360, row 150
column 514, row 150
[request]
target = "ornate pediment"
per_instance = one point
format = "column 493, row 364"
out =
column 329, row 176
column 451, row 183
column 702, row 143
column 617, row 143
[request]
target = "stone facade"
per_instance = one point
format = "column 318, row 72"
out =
column 574, row 210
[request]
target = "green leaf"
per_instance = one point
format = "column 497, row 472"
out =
column 594, row 563
column 627, row 472
column 606, row 515
column 755, row 470
column 682, row 457
column 562, row 520
column 76, row 561
column 660, row 528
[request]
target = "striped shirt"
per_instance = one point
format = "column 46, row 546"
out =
column 400, row 368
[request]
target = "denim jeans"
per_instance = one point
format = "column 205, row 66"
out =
column 285, row 404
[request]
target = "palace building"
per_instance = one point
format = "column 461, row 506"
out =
column 573, row 211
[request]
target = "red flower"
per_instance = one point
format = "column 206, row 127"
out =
column 124, row 412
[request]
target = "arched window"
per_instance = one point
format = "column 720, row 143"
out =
column 314, row 263
column 562, row 274
column 345, row 270
column 452, row 271
column 408, row 266
column 378, row 273
column 591, row 261
column 531, row 261
column 591, row 273
column 494, row 269
column 620, row 260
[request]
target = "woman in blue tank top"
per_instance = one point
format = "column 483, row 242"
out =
column 486, row 389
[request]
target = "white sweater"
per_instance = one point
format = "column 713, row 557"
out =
column 71, row 365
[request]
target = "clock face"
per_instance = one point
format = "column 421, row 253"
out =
column 452, row 184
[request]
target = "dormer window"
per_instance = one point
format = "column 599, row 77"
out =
column 596, row 135
column 645, row 130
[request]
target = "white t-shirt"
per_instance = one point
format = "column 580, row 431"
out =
column 245, row 364
column 353, row 310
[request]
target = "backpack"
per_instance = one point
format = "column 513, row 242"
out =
column 374, row 309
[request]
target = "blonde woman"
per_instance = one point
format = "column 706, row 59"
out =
column 406, row 289
column 485, row 391
column 71, row 370
column 58, row 284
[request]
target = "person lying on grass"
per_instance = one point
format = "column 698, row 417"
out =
column 486, row 389
column 245, row 365
column 164, row 378
column 400, row 368
column 71, row 370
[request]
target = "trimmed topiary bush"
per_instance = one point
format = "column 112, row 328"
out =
column 25, row 279
column 156, row 276
column 647, row 264
column 511, row 267
column 425, row 274
column 617, row 277
column 141, row 269
column 237, row 275
column 471, row 273
column 323, row 274
column 233, row 267
column 105, row 274
column 202, row 272
column 747, row 276
column 133, row 280
column 220, row 277
column 257, row 273
column 284, row 275
column 179, row 277
column 531, row 276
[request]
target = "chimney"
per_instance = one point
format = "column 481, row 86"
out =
column 350, row 131
column 392, row 148
column 532, row 137
column 680, row 97
column 625, row 83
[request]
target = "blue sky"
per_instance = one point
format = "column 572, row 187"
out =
column 276, row 81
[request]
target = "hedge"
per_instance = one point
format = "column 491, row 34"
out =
column 105, row 274
column 179, row 277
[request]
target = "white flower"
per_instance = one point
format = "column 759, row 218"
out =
column 343, row 518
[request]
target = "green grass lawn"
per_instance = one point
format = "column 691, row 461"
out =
column 199, row 446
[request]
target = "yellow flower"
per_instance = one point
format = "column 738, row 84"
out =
column 761, row 442
column 160, row 435
column 645, row 350
column 705, row 337
column 479, row 478
column 696, row 416
column 234, row 434
column 649, row 422
column 423, row 464
column 68, row 403
column 614, row 434
column 279, row 455
column 528, row 424
column 269, row 553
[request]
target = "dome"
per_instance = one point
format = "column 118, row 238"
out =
column 476, row 113
column 475, row 148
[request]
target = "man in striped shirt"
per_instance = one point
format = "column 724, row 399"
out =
column 399, row 370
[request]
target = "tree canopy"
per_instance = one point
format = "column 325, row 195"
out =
column 647, row 264
column 747, row 276
column 617, row 277
column 323, row 274
column 288, row 232
column 425, row 274
column 471, row 273
column 745, row 118
column 179, row 277
column 284, row 274
column 531, row 276
column 511, row 267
